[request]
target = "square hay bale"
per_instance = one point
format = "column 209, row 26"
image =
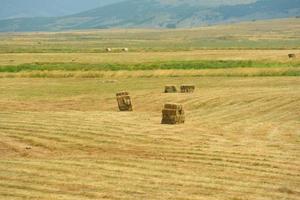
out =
column 292, row 55
column 124, row 101
column 173, row 114
column 187, row 88
column 170, row 89
column 122, row 94
column 173, row 106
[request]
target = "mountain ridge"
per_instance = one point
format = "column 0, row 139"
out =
column 157, row 14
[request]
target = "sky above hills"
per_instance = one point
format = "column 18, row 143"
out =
column 53, row 8
column 47, row 8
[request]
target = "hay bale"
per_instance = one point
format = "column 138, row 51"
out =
column 173, row 106
column 187, row 88
column 125, row 49
column 123, row 93
column 292, row 55
column 108, row 50
column 170, row 89
column 173, row 114
column 124, row 101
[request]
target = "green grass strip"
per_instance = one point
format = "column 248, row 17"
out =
column 183, row 65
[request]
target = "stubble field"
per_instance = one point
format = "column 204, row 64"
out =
column 65, row 139
column 62, row 136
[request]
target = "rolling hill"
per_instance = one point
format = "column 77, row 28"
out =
column 159, row 14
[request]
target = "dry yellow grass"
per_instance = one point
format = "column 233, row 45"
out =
column 268, row 34
column 144, row 57
column 64, row 139
column 235, row 72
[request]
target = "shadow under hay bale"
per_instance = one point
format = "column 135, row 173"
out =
column 292, row 55
column 173, row 114
column 170, row 89
column 124, row 101
column 187, row 88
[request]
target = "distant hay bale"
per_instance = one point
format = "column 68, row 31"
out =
column 292, row 55
column 125, row 49
column 170, row 89
column 173, row 113
column 187, row 88
column 108, row 50
column 124, row 101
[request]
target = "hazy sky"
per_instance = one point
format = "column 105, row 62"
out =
column 33, row 8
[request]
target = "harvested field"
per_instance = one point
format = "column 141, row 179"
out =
column 146, row 57
column 65, row 139
column 62, row 136
column 267, row 34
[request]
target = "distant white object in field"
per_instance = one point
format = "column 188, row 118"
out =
column 108, row 49
column 125, row 49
